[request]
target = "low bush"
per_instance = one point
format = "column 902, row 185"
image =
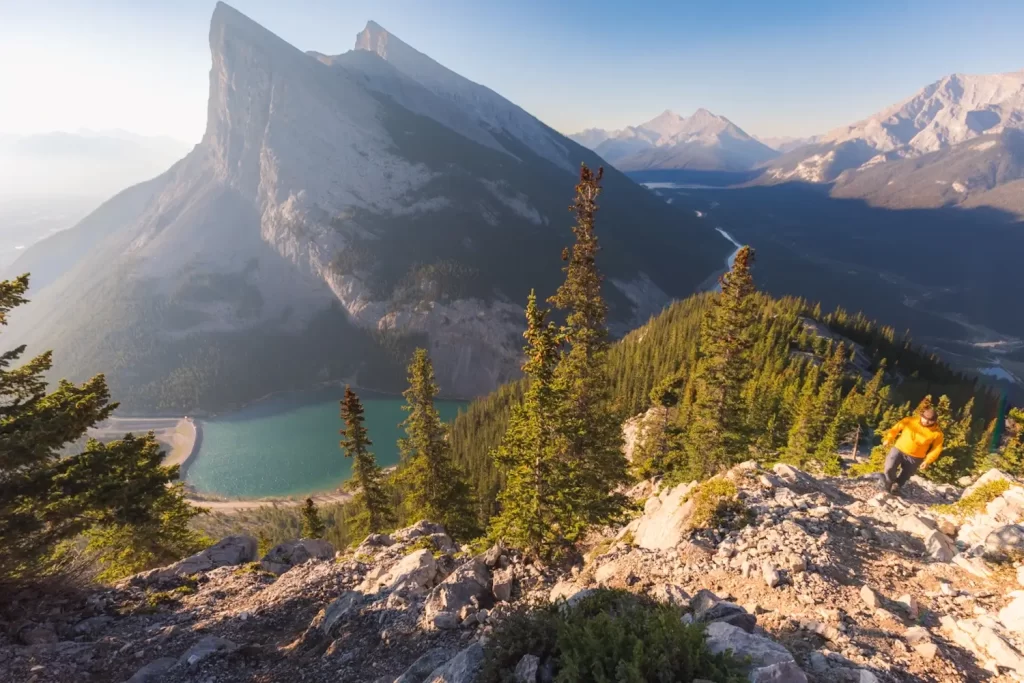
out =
column 607, row 637
column 976, row 501
column 716, row 504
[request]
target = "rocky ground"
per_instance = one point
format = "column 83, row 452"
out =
column 829, row 580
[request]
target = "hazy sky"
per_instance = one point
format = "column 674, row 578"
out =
column 779, row 67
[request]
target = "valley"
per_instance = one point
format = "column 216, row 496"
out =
column 946, row 275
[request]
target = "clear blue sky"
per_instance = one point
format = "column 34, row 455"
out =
column 773, row 67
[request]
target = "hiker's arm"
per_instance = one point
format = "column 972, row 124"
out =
column 890, row 436
column 934, row 453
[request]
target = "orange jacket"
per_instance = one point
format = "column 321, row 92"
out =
column 916, row 440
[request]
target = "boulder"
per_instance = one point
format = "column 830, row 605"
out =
column 493, row 555
column 93, row 625
column 910, row 604
column 501, row 585
column 526, row 669
column 708, row 607
column 462, row 668
column 870, row 597
column 940, row 547
column 1006, row 509
column 917, row 525
column 154, row 671
column 606, row 572
column 801, row 482
column 420, row 528
column 284, row 556
column 424, row 665
column 972, row 565
column 233, row 550
column 469, row 584
column 342, row 606
column 207, row 647
column 769, row 661
column 1004, row 540
column 664, row 519
column 416, row 571
column 1001, row 651
column 771, row 575
column 1012, row 616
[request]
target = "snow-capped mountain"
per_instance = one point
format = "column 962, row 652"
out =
column 704, row 141
column 952, row 110
column 339, row 211
column 984, row 171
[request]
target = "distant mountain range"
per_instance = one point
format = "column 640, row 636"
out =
column 946, row 115
column 702, row 142
column 339, row 210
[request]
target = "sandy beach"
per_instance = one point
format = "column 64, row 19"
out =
column 177, row 435
column 234, row 505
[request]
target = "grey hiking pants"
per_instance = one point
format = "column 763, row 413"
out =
column 900, row 467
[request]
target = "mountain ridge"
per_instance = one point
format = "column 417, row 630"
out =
column 702, row 141
column 340, row 196
column 952, row 110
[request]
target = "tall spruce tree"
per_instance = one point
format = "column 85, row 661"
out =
column 957, row 449
column 375, row 513
column 313, row 525
column 829, row 424
column 119, row 494
column 527, row 451
column 589, row 464
column 800, row 441
column 433, row 486
column 716, row 436
column 1011, row 458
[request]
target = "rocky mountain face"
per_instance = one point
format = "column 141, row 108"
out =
column 338, row 211
column 985, row 171
column 827, row 581
column 702, row 142
column 950, row 111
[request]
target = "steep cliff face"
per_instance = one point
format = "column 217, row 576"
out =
column 339, row 210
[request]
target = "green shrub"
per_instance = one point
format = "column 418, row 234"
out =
column 715, row 504
column 976, row 501
column 607, row 637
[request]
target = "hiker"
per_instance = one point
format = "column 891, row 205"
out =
column 916, row 444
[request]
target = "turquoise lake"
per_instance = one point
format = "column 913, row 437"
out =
column 287, row 445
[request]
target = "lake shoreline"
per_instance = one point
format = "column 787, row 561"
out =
column 285, row 448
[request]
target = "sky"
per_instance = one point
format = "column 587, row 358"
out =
column 775, row 68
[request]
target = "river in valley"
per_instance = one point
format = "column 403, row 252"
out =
column 287, row 444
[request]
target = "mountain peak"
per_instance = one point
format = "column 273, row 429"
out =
column 376, row 38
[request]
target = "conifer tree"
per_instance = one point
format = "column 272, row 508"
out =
column 716, row 435
column 312, row 524
column 590, row 464
column 526, row 520
column 1011, row 459
column 434, row 488
column 375, row 512
column 119, row 494
column 957, row 451
column 800, row 441
column 983, row 456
